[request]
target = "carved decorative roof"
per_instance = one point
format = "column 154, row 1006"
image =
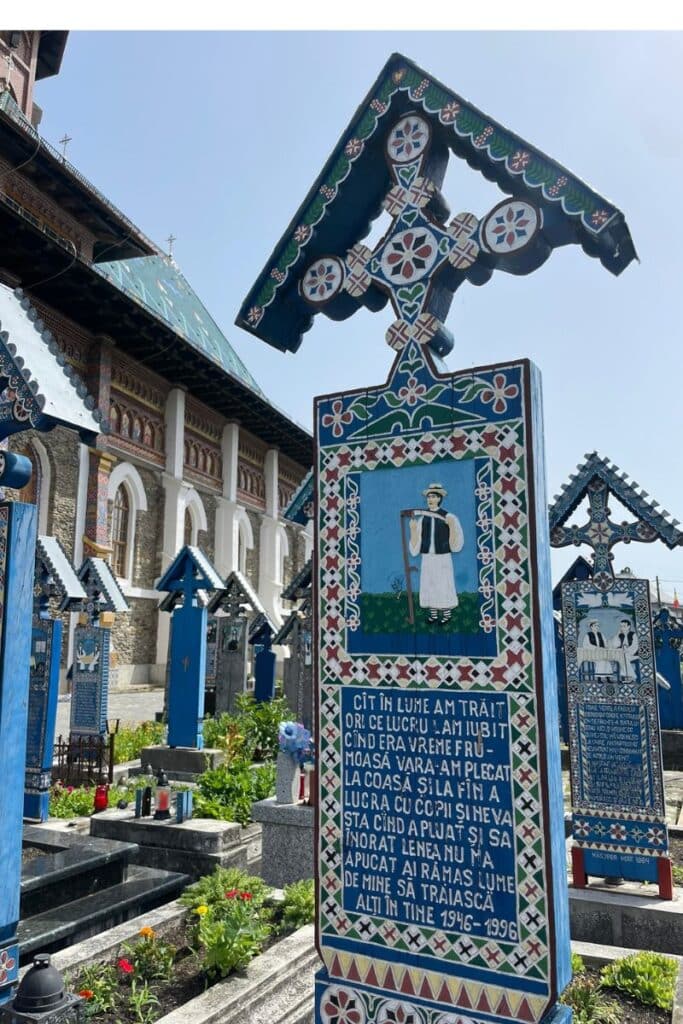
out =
column 356, row 181
column 44, row 389
column 51, row 555
column 95, row 575
column 238, row 589
column 300, row 585
column 300, row 507
column 190, row 564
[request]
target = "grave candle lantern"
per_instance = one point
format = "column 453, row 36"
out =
column 163, row 797
column 101, row 798
column 41, row 997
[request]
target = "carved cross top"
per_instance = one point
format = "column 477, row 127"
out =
column 601, row 534
column 424, row 257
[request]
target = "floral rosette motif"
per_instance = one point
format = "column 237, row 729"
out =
column 399, row 1013
column 499, row 392
column 338, row 418
column 342, row 1006
column 7, row 965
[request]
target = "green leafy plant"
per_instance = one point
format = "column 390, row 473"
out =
column 589, row 1003
column 76, row 801
column 152, row 958
column 210, row 890
column 298, row 907
column 578, row 966
column 98, row 984
column 229, row 941
column 142, row 1002
column 228, row 791
column 648, row 977
column 678, row 874
column 259, row 723
column 130, row 740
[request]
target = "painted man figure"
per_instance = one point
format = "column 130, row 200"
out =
column 627, row 640
column 434, row 535
column 595, row 638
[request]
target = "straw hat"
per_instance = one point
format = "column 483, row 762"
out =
column 436, row 489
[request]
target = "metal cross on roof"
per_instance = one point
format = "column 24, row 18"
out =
column 64, row 142
column 171, row 239
column 596, row 479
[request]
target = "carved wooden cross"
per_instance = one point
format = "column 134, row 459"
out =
column 424, row 257
column 601, row 534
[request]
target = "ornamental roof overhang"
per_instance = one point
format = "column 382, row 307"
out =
column 32, row 254
column 191, row 566
column 349, row 192
column 40, row 389
column 95, row 574
column 116, row 237
column 51, row 555
column 50, row 53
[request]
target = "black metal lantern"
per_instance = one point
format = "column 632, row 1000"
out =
column 42, row 999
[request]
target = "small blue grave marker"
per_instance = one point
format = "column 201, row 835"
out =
column 92, row 648
column 241, row 608
column 54, row 578
column 189, row 572
column 261, row 632
column 668, row 641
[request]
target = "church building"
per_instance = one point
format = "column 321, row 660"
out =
column 195, row 452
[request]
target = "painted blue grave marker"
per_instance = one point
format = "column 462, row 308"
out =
column 92, row 648
column 618, row 811
column 261, row 634
column 434, row 644
column 54, row 578
column 237, row 608
column 189, row 572
column 668, row 640
column 38, row 389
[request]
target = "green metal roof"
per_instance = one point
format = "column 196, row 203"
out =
column 156, row 283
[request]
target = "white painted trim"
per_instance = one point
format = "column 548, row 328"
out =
column 125, row 472
column 81, row 503
column 194, row 503
column 45, row 482
column 130, row 591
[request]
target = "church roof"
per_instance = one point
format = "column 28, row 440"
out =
column 348, row 194
column 156, row 283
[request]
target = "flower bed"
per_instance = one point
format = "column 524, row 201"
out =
column 636, row 989
column 230, row 919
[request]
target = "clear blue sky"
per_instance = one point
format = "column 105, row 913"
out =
column 217, row 136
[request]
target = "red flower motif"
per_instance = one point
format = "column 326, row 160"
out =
column 125, row 966
column 337, row 418
column 499, row 392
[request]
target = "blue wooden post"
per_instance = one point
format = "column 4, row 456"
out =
column 46, row 649
column 668, row 640
column 189, row 573
column 264, row 662
column 17, row 557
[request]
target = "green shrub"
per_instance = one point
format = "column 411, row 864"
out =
column 259, row 723
column 130, row 740
column 589, row 1003
column 678, row 874
column 229, row 940
column 298, row 907
column 578, row 966
column 210, row 890
column 98, row 984
column 76, row 801
column 648, row 977
column 228, row 791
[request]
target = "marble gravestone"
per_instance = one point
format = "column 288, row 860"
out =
column 440, row 840
column 189, row 573
column 235, row 607
column 38, row 390
column 92, row 648
column 618, row 812
column 55, row 579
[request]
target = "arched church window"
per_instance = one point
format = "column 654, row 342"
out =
column 189, row 528
column 120, row 519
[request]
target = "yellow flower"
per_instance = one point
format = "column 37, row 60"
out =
column 147, row 932
column 201, row 910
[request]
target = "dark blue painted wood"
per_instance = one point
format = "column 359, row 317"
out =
column 17, row 559
column 42, row 715
column 188, row 670
column 668, row 639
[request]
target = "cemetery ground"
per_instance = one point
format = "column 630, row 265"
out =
column 227, row 933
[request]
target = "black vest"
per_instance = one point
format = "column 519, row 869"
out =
column 442, row 544
column 626, row 639
column 596, row 639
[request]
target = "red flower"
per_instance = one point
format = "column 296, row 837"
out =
column 245, row 895
column 126, row 966
column 231, row 895
column 86, row 993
